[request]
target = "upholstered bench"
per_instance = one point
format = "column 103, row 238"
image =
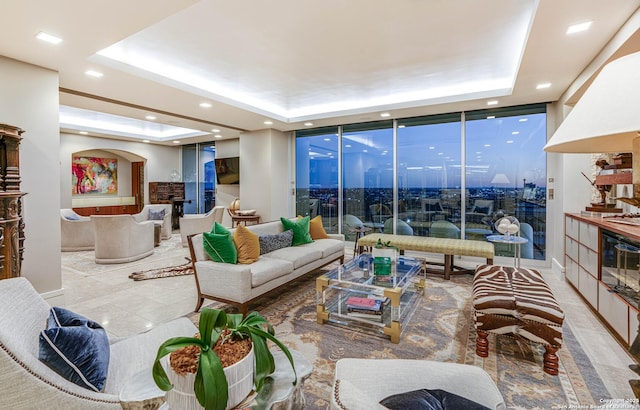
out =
column 446, row 246
column 517, row 302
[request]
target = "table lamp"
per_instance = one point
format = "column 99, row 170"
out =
column 607, row 119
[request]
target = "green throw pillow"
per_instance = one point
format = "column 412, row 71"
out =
column 300, row 230
column 219, row 228
column 220, row 247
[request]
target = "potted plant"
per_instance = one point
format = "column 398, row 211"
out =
column 218, row 328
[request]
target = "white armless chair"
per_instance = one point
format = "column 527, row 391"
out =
column 120, row 238
column 76, row 232
column 191, row 224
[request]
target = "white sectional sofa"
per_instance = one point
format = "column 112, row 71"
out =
column 242, row 283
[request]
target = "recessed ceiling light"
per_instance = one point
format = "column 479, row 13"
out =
column 48, row 38
column 432, row 147
column 385, row 114
column 218, row 136
column 440, row 153
column 492, row 102
column 146, row 141
column 487, row 145
column 347, row 146
column 93, row 73
column 515, row 133
column 326, row 139
column 205, row 105
column 401, row 126
column 215, row 130
column 576, row 28
column 523, row 119
column 268, row 122
column 308, row 124
column 510, row 142
column 491, row 117
column 150, row 117
column 542, row 86
column 176, row 142
column 83, row 133
column 365, row 150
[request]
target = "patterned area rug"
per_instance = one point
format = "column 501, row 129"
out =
column 440, row 329
column 180, row 270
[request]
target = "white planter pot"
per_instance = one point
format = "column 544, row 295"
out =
column 239, row 379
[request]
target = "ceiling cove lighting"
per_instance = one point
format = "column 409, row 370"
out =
column 577, row 28
column 48, row 38
column 93, row 73
column 205, row 105
column 542, row 86
column 150, row 117
column 215, row 130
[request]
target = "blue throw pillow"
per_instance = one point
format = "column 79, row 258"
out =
column 156, row 215
column 76, row 348
column 425, row 399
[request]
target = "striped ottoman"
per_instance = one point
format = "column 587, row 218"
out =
column 516, row 302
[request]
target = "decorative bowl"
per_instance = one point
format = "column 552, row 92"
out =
column 246, row 212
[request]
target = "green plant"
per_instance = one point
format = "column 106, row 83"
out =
column 210, row 385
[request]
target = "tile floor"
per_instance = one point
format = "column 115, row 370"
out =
column 127, row 307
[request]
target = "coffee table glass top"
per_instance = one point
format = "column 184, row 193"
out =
column 398, row 293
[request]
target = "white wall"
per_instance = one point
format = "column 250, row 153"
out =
column 30, row 101
column 160, row 160
column 225, row 194
column 265, row 173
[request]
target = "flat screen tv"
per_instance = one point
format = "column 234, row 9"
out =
column 228, row 170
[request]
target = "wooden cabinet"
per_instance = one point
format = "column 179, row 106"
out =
column 165, row 192
column 594, row 264
column 107, row 210
column 11, row 222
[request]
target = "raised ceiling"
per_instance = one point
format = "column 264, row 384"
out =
column 293, row 62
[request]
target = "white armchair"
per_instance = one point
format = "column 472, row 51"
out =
column 27, row 383
column 76, row 232
column 166, row 231
column 120, row 239
column 191, row 224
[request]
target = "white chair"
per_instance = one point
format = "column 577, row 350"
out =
column 28, row 383
column 191, row 224
column 166, row 231
column 76, row 232
column 360, row 384
column 120, row 238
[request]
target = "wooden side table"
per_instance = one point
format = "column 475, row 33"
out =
column 359, row 231
column 238, row 219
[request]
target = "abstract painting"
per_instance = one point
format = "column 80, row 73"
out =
column 93, row 175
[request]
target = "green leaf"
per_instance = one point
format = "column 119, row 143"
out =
column 210, row 386
column 170, row 345
column 210, row 320
column 266, row 335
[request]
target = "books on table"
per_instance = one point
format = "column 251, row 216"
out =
column 365, row 307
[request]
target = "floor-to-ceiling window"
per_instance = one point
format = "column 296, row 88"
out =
column 429, row 176
column 367, row 175
column 506, row 174
column 199, row 177
column 450, row 175
column 317, row 175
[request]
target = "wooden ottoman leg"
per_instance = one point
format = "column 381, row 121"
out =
column 550, row 365
column 482, row 344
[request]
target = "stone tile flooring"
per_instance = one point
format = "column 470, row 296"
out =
column 126, row 307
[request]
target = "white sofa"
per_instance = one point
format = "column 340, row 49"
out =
column 191, row 224
column 166, row 231
column 360, row 384
column 28, row 383
column 240, row 284
column 76, row 232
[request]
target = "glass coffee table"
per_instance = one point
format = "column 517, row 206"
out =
column 399, row 293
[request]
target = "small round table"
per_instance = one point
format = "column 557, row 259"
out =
column 359, row 231
column 516, row 241
column 238, row 219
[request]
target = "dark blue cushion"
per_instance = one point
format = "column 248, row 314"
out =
column 425, row 399
column 156, row 215
column 75, row 347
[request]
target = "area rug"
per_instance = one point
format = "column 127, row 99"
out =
column 440, row 329
column 180, row 270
